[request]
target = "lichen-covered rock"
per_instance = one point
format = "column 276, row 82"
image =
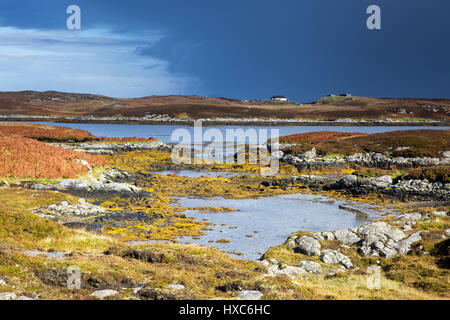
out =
column 410, row 217
column 310, row 266
column 250, row 295
column 349, row 180
column 306, row 267
column 335, row 257
column 308, row 155
column 176, row 286
column 82, row 209
column 379, row 239
column 404, row 246
column 346, row 236
column 308, row 245
column 102, row 294
column 327, row 235
column 73, row 185
column 8, row 296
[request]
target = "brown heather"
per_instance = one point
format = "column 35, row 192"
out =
column 44, row 132
column 22, row 157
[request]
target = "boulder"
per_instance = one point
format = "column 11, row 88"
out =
column 4, row 183
column 24, row 298
column 176, row 286
column 335, row 257
column 274, row 268
column 8, row 296
column 379, row 182
column 349, row 180
column 404, row 246
column 277, row 154
column 250, row 295
column 328, row 235
column 379, row 239
column 410, row 217
column 309, row 155
column 102, row 294
column 308, row 245
column 310, row 266
column 346, row 236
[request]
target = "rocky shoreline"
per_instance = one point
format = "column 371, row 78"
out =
column 375, row 239
column 165, row 120
column 111, row 148
column 417, row 190
column 404, row 190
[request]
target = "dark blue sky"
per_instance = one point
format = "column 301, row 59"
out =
column 303, row 49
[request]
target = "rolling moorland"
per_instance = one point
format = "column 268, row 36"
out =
column 71, row 198
column 185, row 108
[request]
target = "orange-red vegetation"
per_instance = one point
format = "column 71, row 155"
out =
column 22, row 157
column 404, row 143
column 322, row 136
column 45, row 132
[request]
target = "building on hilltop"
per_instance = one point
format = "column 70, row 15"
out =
column 279, row 98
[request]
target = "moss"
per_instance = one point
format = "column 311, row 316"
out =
column 432, row 174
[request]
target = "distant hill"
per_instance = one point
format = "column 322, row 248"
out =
column 53, row 103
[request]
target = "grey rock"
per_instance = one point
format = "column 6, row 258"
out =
column 406, row 227
column 404, row 246
column 310, row 266
column 24, row 298
column 109, row 148
column 328, row 235
column 108, row 185
column 289, row 270
column 8, row 296
column 82, row 208
column 317, row 236
column 335, row 257
column 378, row 182
column 395, row 234
column 349, row 180
column 102, row 294
column 274, row 268
column 379, row 239
column 250, row 295
column 4, row 183
column 346, row 236
column 176, row 286
column 410, row 217
column 290, row 243
column 308, row 245
column 370, row 159
column 387, row 252
column 308, row 155
column 374, row 228
column 277, row 154
column 365, row 250
column 53, row 255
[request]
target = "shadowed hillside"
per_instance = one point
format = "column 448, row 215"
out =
column 52, row 103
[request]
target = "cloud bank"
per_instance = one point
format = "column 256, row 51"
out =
column 89, row 60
